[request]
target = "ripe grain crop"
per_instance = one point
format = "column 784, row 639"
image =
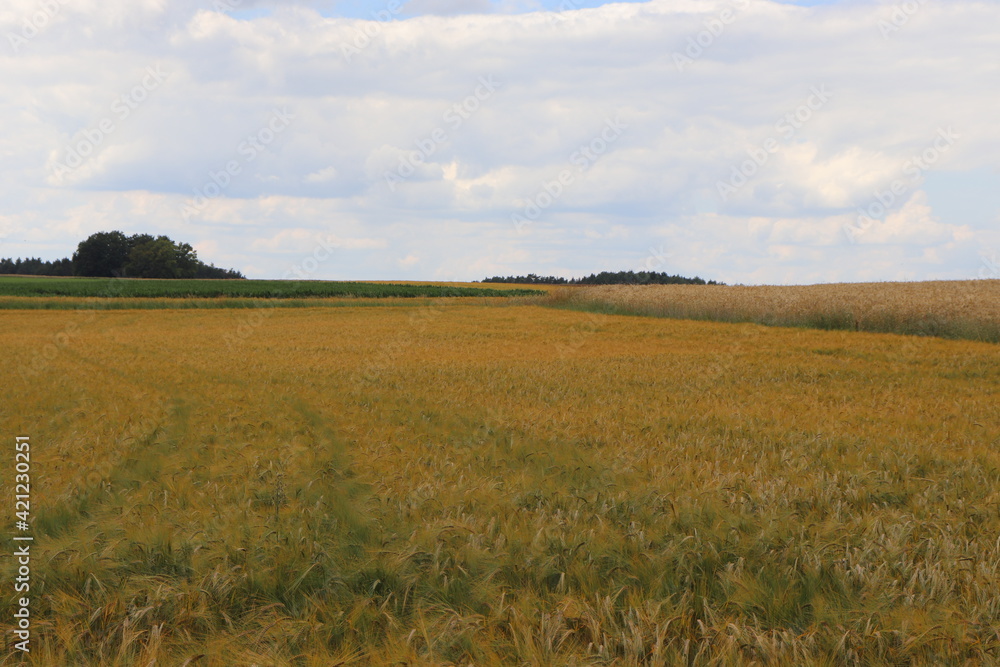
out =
column 519, row 485
column 949, row 309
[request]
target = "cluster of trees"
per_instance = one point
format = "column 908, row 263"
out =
column 605, row 278
column 113, row 254
column 34, row 266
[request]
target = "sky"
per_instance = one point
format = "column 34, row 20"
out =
column 745, row 141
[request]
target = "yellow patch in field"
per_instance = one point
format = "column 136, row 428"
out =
column 461, row 482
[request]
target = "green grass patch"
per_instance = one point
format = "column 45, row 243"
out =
column 138, row 303
column 241, row 289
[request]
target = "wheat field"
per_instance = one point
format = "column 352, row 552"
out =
column 461, row 483
column 967, row 309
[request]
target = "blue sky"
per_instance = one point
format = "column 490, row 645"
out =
column 748, row 141
column 364, row 9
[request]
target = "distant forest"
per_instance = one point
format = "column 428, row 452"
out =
column 112, row 254
column 34, row 266
column 605, row 278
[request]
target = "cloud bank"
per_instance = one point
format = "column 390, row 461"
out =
column 742, row 140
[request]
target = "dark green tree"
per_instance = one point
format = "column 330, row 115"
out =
column 606, row 278
column 33, row 266
column 139, row 239
column 112, row 254
column 160, row 258
column 212, row 271
column 101, row 255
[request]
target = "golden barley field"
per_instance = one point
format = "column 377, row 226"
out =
column 967, row 309
column 459, row 483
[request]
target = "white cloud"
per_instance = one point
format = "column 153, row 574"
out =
column 448, row 7
column 561, row 79
column 915, row 224
column 408, row 261
column 324, row 175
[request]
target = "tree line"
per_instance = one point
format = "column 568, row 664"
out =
column 605, row 278
column 115, row 255
column 35, row 266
